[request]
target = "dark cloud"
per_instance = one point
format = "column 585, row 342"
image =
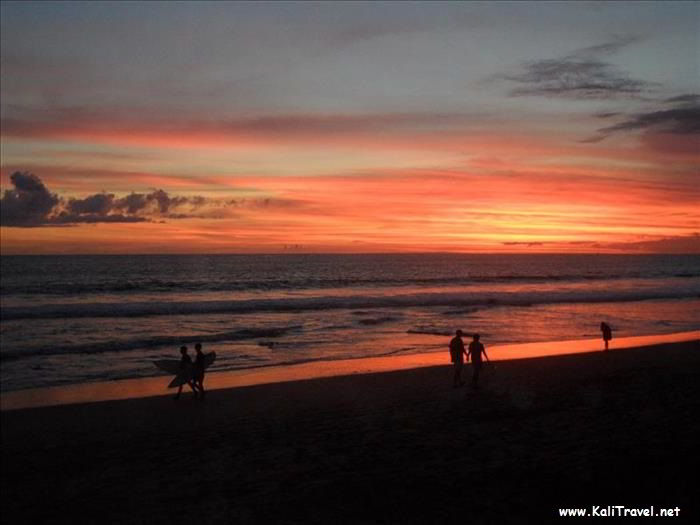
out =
column 518, row 243
column 106, row 205
column 66, row 219
column 675, row 244
column 679, row 116
column 547, row 243
column 161, row 200
column 198, row 201
column 575, row 78
column 31, row 204
column 678, row 244
column 681, row 121
column 182, row 216
column 608, row 114
column 134, row 202
column 691, row 98
column 592, row 140
column 266, row 202
column 580, row 75
column 607, row 48
column 98, row 204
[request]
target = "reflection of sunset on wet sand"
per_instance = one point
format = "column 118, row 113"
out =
column 135, row 388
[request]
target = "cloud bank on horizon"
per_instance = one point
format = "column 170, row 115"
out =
column 31, row 204
column 350, row 127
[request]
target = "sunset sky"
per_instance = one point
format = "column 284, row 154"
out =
column 350, row 127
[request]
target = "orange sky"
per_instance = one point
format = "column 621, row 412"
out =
column 510, row 154
column 534, row 192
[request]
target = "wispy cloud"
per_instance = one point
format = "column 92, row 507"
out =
column 669, row 244
column 681, row 121
column 607, row 48
column 674, row 244
column 678, row 115
column 580, row 75
column 76, row 121
column 519, row 243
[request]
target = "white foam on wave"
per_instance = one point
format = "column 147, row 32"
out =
column 451, row 299
column 150, row 342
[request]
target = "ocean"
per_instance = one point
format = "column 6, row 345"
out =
column 75, row 319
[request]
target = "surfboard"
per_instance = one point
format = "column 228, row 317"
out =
column 182, row 375
column 171, row 366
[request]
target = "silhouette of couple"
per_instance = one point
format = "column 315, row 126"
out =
column 197, row 381
column 458, row 353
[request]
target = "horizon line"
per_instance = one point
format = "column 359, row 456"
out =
column 207, row 254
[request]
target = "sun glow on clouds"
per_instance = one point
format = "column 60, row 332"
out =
column 395, row 210
column 507, row 193
column 535, row 149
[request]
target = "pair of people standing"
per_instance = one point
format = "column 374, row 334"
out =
column 197, row 381
column 458, row 353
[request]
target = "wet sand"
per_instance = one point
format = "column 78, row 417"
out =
column 603, row 428
column 156, row 386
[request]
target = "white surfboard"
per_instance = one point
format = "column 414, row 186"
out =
column 182, row 375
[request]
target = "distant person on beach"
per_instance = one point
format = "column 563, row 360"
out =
column 185, row 362
column 457, row 353
column 198, row 369
column 475, row 351
column 607, row 333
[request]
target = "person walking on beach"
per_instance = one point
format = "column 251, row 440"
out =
column 457, row 354
column 185, row 363
column 198, row 369
column 475, row 351
column 607, row 333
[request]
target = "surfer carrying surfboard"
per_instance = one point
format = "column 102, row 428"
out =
column 185, row 371
column 185, row 367
column 198, row 369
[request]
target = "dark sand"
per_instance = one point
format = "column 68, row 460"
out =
column 615, row 428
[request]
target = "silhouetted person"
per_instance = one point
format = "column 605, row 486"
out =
column 457, row 353
column 607, row 333
column 198, row 369
column 475, row 351
column 185, row 362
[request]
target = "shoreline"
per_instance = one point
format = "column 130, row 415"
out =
column 155, row 386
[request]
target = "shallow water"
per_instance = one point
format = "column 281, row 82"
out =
column 156, row 386
column 77, row 319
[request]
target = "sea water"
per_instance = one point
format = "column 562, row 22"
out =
column 75, row 319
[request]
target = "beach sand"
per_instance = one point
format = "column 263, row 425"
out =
column 602, row 428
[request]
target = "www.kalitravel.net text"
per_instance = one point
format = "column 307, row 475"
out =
column 620, row 511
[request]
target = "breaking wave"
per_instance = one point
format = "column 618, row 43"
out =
column 300, row 304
